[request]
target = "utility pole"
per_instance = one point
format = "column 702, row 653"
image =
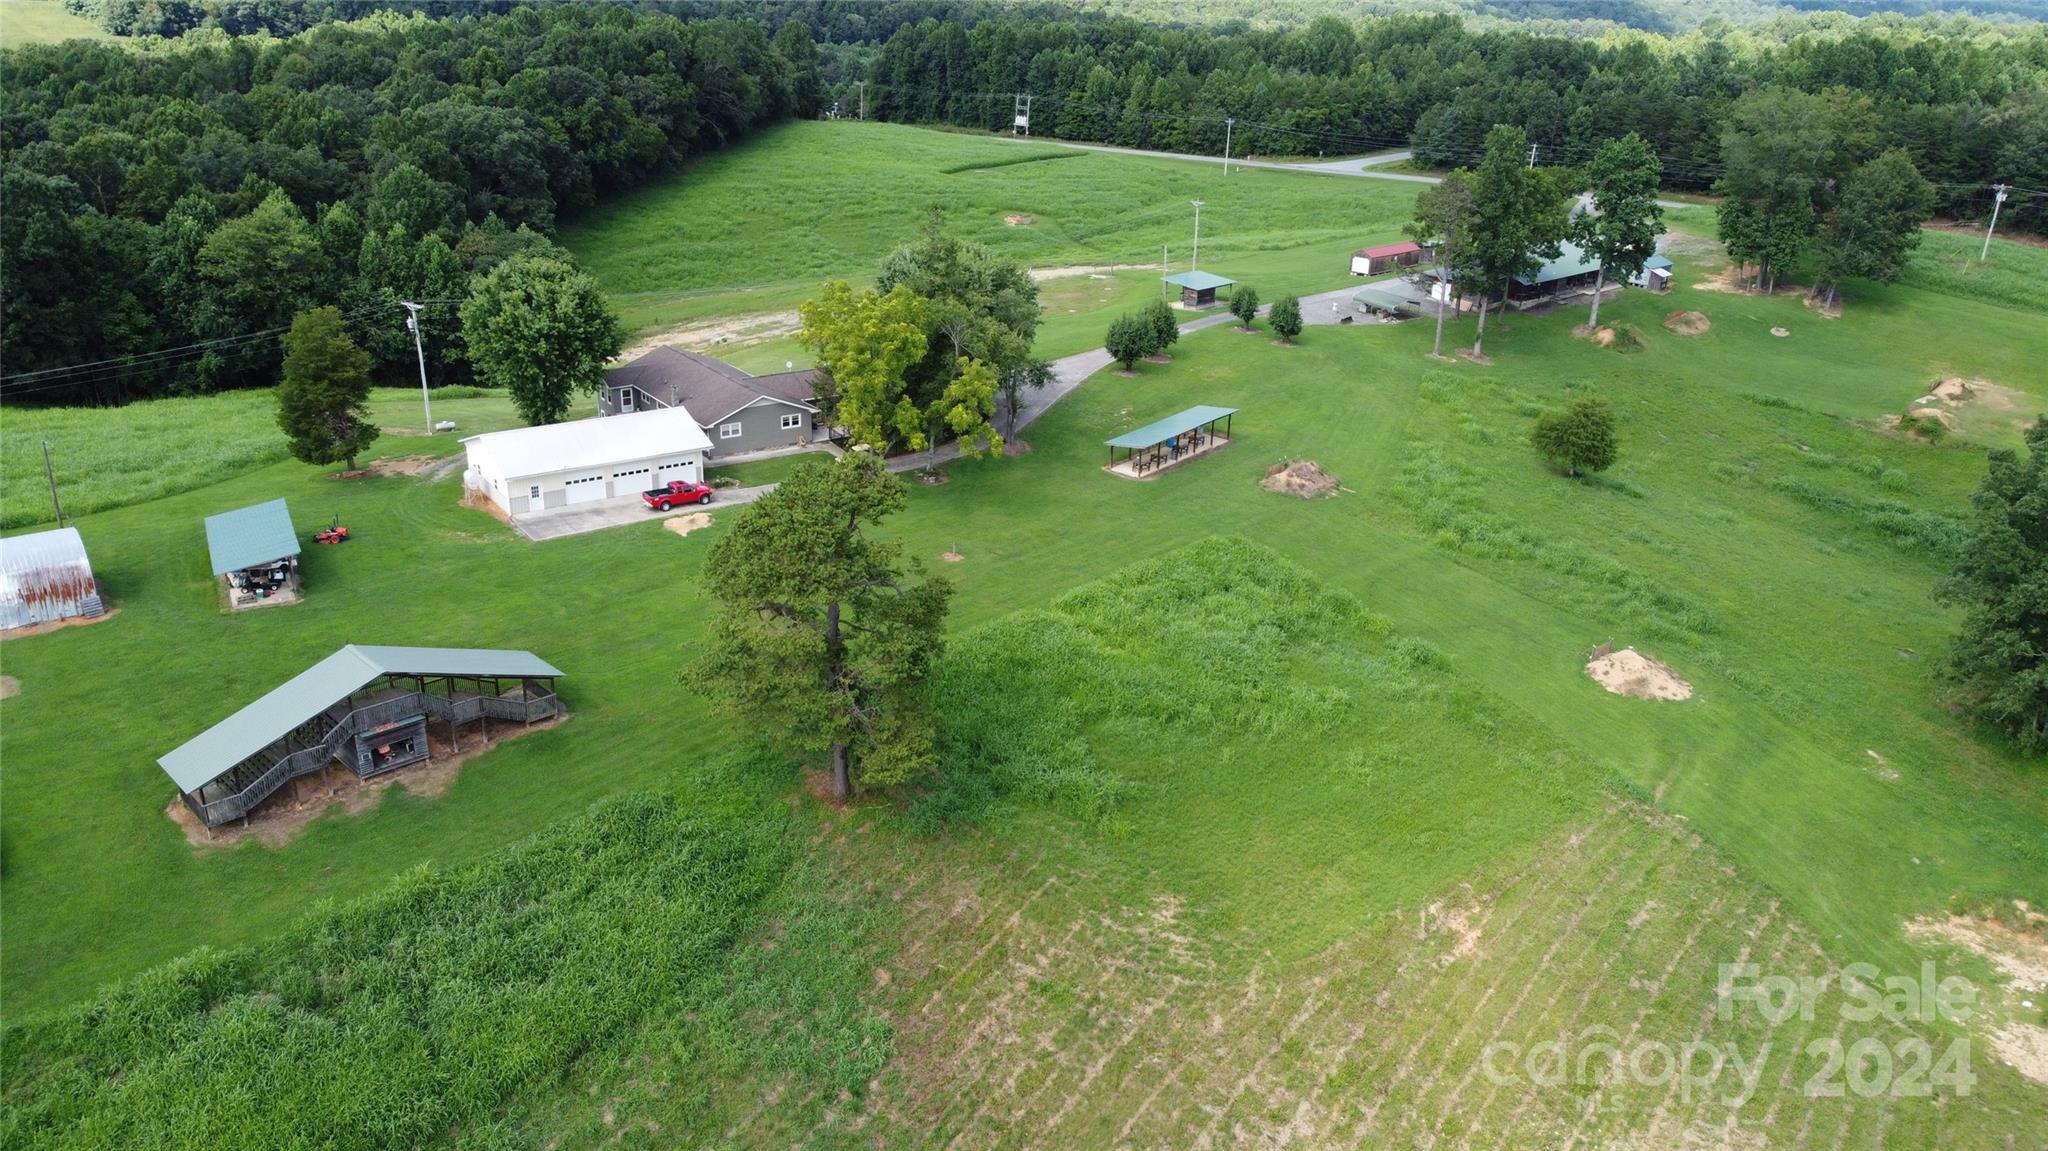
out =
column 1195, row 260
column 52, row 474
column 1163, row 265
column 863, row 86
column 412, row 323
column 1995, row 203
column 1227, row 122
column 1532, row 155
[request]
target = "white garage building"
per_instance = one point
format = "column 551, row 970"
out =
column 555, row 465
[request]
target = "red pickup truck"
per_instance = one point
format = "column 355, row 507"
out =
column 676, row 492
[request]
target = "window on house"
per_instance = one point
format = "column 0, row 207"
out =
column 792, row 420
column 729, row 431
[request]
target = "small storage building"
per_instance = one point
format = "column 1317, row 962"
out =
column 1386, row 258
column 582, row 461
column 1656, row 274
column 45, row 577
column 1198, row 289
column 256, row 553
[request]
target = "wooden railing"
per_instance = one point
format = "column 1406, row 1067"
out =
column 306, row 761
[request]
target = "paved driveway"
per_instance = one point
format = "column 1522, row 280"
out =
column 599, row 514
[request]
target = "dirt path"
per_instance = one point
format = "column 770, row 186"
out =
column 709, row 335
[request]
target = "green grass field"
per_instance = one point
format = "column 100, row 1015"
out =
column 42, row 22
column 1260, row 818
column 855, row 191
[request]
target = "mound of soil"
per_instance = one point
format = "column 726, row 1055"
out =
column 685, row 524
column 1953, row 390
column 1630, row 672
column 1687, row 323
column 1781, row 333
column 1017, row 219
column 1945, row 419
column 951, row 557
column 1604, row 337
column 1304, row 479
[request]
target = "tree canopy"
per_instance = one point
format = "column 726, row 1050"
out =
column 1998, row 664
column 323, row 399
column 1578, row 439
column 825, row 636
column 539, row 327
column 1622, row 227
column 866, row 343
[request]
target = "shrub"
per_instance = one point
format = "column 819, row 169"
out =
column 1165, row 327
column 1244, row 304
column 1286, row 317
column 1130, row 340
column 1580, row 438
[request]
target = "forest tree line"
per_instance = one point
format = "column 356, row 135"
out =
column 1966, row 100
column 211, row 188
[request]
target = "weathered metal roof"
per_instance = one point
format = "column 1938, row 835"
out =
column 1198, row 280
column 1400, row 249
column 36, row 551
column 1655, row 263
column 209, row 755
column 1383, row 300
column 245, row 537
column 1160, row 431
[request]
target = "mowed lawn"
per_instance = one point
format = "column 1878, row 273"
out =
column 839, row 196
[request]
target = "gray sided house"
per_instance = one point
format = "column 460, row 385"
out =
column 738, row 412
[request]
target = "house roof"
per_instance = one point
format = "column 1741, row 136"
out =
column 40, row 551
column 1400, row 249
column 1571, row 261
column 245, row 537
column 1198, row 280
column 577, row 445
column 211, row 753
column 1160, row 431
column 1657, row 263
column 711, row 388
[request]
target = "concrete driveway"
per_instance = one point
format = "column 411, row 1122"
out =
column 600, row 514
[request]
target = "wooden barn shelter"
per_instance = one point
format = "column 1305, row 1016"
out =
column 365, row 707
column 1198, row 289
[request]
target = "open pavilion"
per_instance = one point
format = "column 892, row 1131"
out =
column 256, row 552
column 1163, row 443
column 363, row 709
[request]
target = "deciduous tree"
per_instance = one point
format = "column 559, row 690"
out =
column 1244, row 304
column 867, row 341
column 825, row 635
column 1622, row 228
column 1129, row 340
column 1578, row 439
column 1443, row 223
column 1285, row 316
column 540, row 329
column 1165, row 326
column 323, row 399
column 1998, row 664
column 1875, row 224
column 1519, row 218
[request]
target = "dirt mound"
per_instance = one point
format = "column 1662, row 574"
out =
column 1017, row 219
column 685, row 524
column 951, row 557
column 1630, row 672
column 1304, row 479
column 1603, row 337
column 1781, row 333
column 402, row 466
column 1687, row 323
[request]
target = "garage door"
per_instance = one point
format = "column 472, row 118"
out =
column 685, row 470
column 583, row 489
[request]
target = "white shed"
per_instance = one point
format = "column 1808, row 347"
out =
column 555, row 465
column 45, row 576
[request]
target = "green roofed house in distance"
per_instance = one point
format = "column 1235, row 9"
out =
column 1198, row 288
column 364, row 707
column 256, row 553
column 1176, row 439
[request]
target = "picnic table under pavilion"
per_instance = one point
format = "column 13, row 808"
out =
column 1163, row 443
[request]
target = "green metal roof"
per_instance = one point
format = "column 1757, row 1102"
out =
column 1571, row 261
column 1386, row 301
column 245, row 537
column 212, row 752
column 1199, row 281
column 1160, row 431
column 1656, row 262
